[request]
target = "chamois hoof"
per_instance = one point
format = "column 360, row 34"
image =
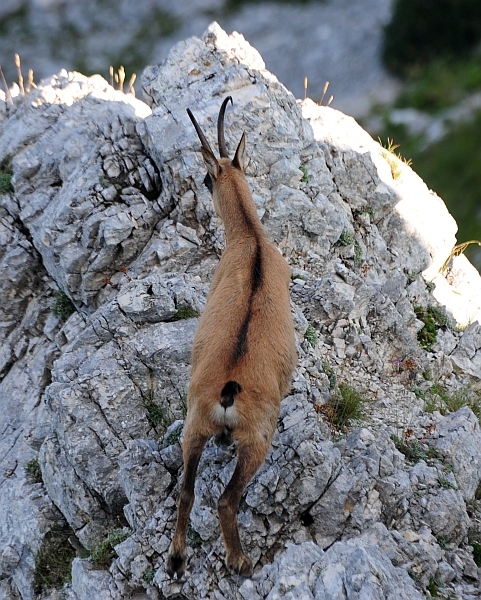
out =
column 240, row 565
column 176, row 565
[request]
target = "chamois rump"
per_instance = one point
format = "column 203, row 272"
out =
column 243, row 353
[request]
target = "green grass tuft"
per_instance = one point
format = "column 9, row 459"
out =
column 311, row 336
column 446, row 484
column 174, row 436
column 194, row 538
column 62, row 307
column 103, row 553
column 159, row 415
column 53, row 560
column 186, row 312
column 5, row 181
column 413, row 450
column 476, row 553
column 305, row 175
column 437, row 398
column 433, row 586
column 329, row 371
column 345, row 406
column 443, row 541
column 148, row 575
column 346, row 238
column 33, row 470
column 474, row 540
column 433, row 318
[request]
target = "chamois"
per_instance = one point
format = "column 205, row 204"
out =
column 243, row 353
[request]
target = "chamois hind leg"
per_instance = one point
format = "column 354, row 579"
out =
column 249, row 459
column 192, row 449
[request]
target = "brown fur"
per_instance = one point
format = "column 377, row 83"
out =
column 245, row 338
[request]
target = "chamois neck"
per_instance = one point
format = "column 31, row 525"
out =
column 241, row 220
column 238, row 212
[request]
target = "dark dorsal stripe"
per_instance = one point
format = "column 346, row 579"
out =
column 240, row 348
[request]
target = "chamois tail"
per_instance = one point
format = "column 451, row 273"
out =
column 229, row 392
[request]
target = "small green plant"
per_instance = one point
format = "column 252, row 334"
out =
column 474, row 540
column 412, row 449
column 311, row 336
column 438, row 399
column 62, row 307
column 183, row 402
column 357, row 253
column 103, row 553
column 33, row 470
column 433, row 586
column 369, row 210
column 158, row 414
column 329, row 371
column 174, row 436
column 346, row 238
column 446, row 484
column 433, row 318
column 186, row 312
column 419, row 393
column 295, row 276
column 443, row 541
column 194, row 538
column 345, row 406
column 148, row 575
column 476, row 553
column 477, row 493
column 413, row 575
column 53, row 560
column 5, row 181
column 305, row 176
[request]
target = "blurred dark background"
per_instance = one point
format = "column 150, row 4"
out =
column 434, row 47
column 408, row 70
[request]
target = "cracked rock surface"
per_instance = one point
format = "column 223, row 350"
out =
column 108, row 205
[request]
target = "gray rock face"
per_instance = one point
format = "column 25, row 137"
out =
column 84, row 187
column 108, row 204
column 460, row 441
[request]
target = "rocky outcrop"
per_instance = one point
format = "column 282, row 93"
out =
column 107, row 204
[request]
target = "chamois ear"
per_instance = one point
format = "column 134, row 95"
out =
column 240, row 154
column 211, row 163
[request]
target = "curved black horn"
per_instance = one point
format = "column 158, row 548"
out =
column 200, row 133
column 220, row 128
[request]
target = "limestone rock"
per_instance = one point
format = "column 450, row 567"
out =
column 108, row 204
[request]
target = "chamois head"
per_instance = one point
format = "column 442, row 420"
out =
column 216, row 168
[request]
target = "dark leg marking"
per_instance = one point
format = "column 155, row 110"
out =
column 176, row 557
column 247, row 464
